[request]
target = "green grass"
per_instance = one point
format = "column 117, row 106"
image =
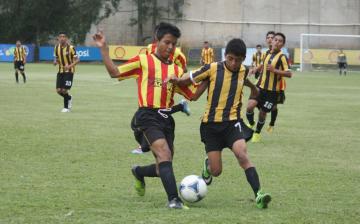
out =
column 75, row 167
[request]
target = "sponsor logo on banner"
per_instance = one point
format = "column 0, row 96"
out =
column 122, row 52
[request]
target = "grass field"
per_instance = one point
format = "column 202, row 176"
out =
column 75, row 167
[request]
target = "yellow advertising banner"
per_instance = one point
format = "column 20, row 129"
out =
column 326, row 56
column 122, row 52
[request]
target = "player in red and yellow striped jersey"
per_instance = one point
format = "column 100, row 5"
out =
column 19, row 61
column 155, row 97
column 270, row 84
column 207, row 54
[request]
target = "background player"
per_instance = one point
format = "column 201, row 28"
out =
column 19, row 61
column 275, row 68
column 342, row 62
column 207, row 54
column 65, row 56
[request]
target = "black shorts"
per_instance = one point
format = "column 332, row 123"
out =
column 139, row 136
column 19, row 65
column 266, row 100
column 342, row 65
column 218, row 135
column 257, row 74
column 281, row 97
column 64, row 80
column 149, row 125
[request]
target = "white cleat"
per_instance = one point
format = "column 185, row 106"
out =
column 65, row 110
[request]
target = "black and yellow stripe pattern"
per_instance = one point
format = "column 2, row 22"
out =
column 224, row 91
column 65, row 55
column 269, row 80
column 19, row 53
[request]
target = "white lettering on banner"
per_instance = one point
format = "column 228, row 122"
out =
column 85, row 53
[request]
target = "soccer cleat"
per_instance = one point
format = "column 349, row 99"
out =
column 206, row 175
column 262, row 199
column 256, row 137
column 186, row 108
column 137, row 151
column 65, row 110
column 70, row 102
column 176, row 203
column 270, row 129
column 139, row 182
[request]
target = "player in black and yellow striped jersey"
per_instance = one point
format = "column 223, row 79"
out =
column 275, row 69
column 207, row 54
column 342, row 62
column 19, row 61
column 65, row 56
column 257, row 59
column 222, row 125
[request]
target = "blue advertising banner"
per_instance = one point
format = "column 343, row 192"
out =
column 85, row 53
column 7, row 52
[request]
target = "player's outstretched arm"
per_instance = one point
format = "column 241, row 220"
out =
column 200, row 90
column 286, row 73
column 183, row 81
column 254, row 91
column 100, row 42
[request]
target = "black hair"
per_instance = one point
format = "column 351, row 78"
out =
column 282, row 35
column 166, row 28
column 237, row 47
column 259, row 45
column 206, row 42
column 62, row 32
column 270, row 32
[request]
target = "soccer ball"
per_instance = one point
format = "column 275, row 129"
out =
column 193, row 188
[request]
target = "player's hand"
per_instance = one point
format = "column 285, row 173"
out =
column 67, row 67
column 99, row 39
column 55, row 62
column 172, row 79
column 270, row 68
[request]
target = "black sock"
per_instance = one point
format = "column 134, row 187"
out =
column 147, row 171
column 274, row 114
column 67, row 97
column 259, row 126
column 177, row 108
column 17, row 76
column 250, row 117
column 253, row 179
column 168, row 179
column 24, row 77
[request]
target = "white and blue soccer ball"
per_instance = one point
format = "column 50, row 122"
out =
column 192, row 188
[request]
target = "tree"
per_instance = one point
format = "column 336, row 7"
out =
column 38, row 20
column 154, row 11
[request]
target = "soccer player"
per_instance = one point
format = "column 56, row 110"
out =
column 275, row 68
column 257, row 59
column 65, row 56
column 19, row 61
column 179, row 59
column 207, row 54
column 342, row 62
column 155, row 96
column 222, row 125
